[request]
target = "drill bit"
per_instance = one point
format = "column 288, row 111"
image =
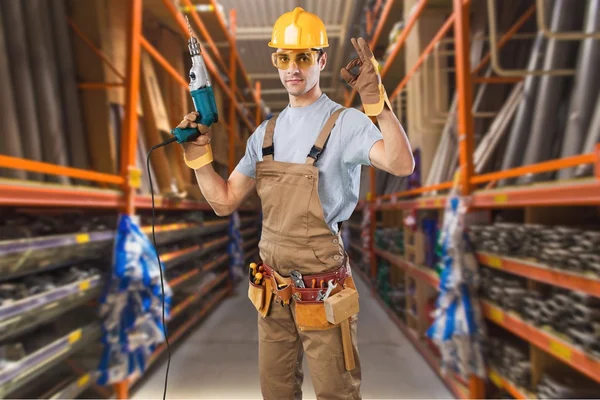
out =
column 189, row 26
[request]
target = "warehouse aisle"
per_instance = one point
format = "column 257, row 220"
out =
column 218, row 360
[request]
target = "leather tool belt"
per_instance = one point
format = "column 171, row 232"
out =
column 284, row 288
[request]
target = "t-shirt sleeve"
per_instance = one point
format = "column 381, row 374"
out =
column 247, row 164
column 359, row 134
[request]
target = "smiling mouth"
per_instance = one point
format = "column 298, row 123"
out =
column 294, row 80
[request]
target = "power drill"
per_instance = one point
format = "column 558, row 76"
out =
column 201, row 91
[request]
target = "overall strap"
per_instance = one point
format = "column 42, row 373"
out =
column 321, row 142
column 268, row 150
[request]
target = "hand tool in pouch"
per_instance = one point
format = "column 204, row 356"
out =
column 338, row 309
column 204, row 102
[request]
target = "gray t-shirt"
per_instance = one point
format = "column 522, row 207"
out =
column 296, row 131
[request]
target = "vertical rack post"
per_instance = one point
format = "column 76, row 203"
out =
column 373, row 224
column 132, row 91
column 129, row 128
column 233, row 84
column 464, row 89
column 257, row 88
column 597, row 164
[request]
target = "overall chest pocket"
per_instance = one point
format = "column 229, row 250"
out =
column 285, row 199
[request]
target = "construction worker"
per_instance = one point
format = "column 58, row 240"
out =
column 305, row 164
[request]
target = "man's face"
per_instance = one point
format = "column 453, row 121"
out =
column 299, row 70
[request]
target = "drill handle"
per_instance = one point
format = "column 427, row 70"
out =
column 204, row 102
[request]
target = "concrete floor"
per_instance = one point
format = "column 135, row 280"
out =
column 218, row 360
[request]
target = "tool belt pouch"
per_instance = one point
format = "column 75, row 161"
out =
column 310, row 312
column 260, row 296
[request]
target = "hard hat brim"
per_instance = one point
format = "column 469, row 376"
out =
column 297, row 47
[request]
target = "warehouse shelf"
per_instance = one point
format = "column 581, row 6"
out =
column 249, row 232
column 32, row 311
column 169, row 233
column 503, row 383
column 185, row 304
column 24, row 371
column 454, row 384
column 25, row 256
column 182, row 330
column 174, row 258
column 582, row 192
column 250, row 244
column 194, row 272
column 542, row 273
column 422, row 273
column 545, row 340
column 25, row 193
column 251, row 256
column 74, row 388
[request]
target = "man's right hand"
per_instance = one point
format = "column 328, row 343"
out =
column 198, row 147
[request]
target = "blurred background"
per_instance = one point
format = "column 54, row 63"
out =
column 499, row 99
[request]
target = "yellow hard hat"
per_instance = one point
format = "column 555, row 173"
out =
column 299, row 29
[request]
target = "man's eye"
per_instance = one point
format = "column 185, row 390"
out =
column 303, row 58
column 284, row 59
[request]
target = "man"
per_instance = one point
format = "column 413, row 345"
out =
column 305, row 165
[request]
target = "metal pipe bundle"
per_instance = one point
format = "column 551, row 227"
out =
column 558, row 55
column 587, row 84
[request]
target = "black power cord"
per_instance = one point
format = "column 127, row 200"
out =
column 162, row 282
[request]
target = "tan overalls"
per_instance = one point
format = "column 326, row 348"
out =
column 295, row 236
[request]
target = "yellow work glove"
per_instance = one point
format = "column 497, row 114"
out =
column 197, row 153
column 368, row 81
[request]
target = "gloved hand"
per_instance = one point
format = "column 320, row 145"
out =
column 198, row 152
column 368, row 81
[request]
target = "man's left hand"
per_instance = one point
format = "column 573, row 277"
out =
column 368, row 81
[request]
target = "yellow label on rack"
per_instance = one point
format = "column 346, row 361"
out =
column 561, row 350
column 497, row 315
column 438, row 203
column 82, row 238
column 423, row 203
column 495, row 378
column 85, row 285
column 135, row 178
column 74, row 336
column 81, row 382
column 501, row 198
column 494, row 262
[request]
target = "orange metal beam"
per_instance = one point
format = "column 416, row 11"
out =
column 425, row 189
column 53, row 169
column 441, row 33
column 209, row 63
column 542, row 273
column 545, row 166
column 257, row 88
column 99, row 85
column 130, row 121
column 506, row 37
column 597, row 161
column 233, row 86
column 57, row 196
column 93, row 47
column 374, row 39
column 546, row 341
column 403, row 36
column 373, row 224
column 163, row 62
column 205, row 34
column 464, row 89
column 240, row 64
column 382, row 19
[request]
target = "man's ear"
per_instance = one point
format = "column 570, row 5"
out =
column 323, row 61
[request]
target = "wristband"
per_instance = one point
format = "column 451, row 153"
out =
column 200, row 161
